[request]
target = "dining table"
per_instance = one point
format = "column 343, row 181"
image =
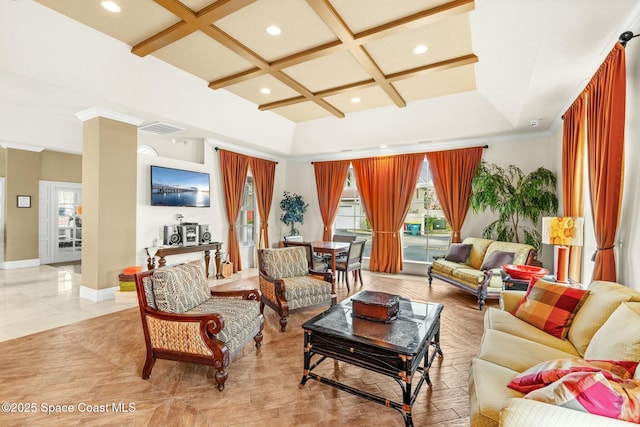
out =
column 332, row 248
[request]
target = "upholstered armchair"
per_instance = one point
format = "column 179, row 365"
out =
column 183, row 320
column 287, row 284
column 316, row 262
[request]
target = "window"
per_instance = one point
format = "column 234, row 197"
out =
column 246, row 224
column 425, row 234
column 350, row 218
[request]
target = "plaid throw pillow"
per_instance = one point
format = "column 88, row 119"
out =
column 594, row 393
column 551, row 307
column 545, row 373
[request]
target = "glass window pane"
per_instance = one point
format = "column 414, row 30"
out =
column 425, row 234
column 246, row 219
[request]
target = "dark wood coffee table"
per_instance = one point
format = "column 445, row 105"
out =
column 397, row 349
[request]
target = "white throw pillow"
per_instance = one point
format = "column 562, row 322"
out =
column 619, row 337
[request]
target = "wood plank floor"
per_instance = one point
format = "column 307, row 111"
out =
column 96, row 363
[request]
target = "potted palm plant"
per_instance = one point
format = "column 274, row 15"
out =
column 294, row 209
column 515, row 198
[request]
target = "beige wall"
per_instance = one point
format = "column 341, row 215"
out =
column 55, row 166
column 109, row 174
column 3, row 166
column 21, row 224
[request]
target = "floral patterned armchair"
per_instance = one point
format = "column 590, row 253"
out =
column 287, row 284
column 184, row 320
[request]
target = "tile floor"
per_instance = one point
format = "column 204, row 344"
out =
column 46, row 297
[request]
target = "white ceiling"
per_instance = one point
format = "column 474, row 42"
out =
column 533, row 58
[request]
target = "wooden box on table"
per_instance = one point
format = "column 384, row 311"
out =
column 376, row 306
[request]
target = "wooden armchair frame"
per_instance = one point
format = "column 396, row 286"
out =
column 169, row 330
column 273, row 291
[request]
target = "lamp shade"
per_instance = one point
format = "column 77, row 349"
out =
column 562, row 230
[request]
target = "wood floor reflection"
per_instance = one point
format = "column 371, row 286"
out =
column 93, row 367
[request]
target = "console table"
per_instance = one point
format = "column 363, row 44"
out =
column 174, row 250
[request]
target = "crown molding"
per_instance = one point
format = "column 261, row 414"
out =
column 93, row 112
column 19, row 146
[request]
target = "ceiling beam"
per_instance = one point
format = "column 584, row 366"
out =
column 442, row 65
column 416, row 20
column 335, row 22
column 190, row 22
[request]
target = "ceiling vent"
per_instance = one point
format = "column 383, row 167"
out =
column 159, row 128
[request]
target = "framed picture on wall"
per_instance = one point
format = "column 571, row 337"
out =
column 24, row 201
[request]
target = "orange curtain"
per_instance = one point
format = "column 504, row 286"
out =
column 263, row 172
column 386, row 186
column 452, row 172
column 605, row 143
column 330, row 178
column 573, row 174
column 234, row 168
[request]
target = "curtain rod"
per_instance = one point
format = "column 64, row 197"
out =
column 218, row 149
column 625, row 37
column 484, row 146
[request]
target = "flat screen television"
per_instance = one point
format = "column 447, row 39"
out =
column 177, row 187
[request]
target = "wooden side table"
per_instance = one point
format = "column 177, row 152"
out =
column 512, row 284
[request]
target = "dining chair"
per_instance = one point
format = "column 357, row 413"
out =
column 343, row 238
column 316, row 262
column 352, row 262
column 293, row 239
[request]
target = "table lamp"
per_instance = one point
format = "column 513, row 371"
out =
column 562, row 232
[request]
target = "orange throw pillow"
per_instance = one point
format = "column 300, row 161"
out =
column 551, row 307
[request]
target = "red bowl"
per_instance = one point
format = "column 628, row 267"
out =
column 524, row 272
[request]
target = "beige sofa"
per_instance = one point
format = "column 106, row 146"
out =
column 469, row 277
column 510, row 346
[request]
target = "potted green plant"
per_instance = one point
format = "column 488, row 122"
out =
column 294, row 209
column 514, row 197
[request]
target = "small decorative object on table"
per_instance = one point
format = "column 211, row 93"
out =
column 524, row 272
column 226, row 267
column 376, row 306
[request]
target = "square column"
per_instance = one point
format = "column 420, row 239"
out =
column 109, row 183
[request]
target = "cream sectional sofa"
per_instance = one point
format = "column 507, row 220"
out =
column 510, row 346
column 469, row 277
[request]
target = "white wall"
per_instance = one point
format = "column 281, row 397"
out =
column 300, row 179
column 526, row 153
column 151, row 219
column 628, row 232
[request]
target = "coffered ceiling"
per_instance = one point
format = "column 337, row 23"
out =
column 493, row 70
column 331, row 58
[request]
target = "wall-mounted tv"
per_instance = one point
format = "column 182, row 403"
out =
column 177, row 187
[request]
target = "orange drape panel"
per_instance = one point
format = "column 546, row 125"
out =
column 386, row 186
column 573, row 174
column 605, row 142
column 234, row 174
column 452, row 172
column 330, row 178
column 263, row 172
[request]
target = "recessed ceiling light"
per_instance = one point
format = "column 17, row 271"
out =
column 265, row 91
column 274, row 30
column 383, row 146
column 355, row 100
column 420, row 49
column 111, row 6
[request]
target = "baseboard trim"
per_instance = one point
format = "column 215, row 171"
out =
column 98, row 295
column 23, row 263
